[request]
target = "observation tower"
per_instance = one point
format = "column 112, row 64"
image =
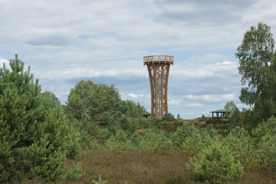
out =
column 158, row 68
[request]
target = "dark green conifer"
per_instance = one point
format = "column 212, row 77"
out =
column 34, row 136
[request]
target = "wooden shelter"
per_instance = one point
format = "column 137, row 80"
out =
column 220, row 113
column 146, row 115
column 158, row 68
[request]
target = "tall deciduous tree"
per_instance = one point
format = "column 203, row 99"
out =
column 96, row 99
column 230, row 106
column 258, row 69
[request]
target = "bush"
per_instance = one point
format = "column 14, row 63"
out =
column 266, row 155
column 147, row 124
column 240, row 144
column 133, row 126
column 112, row 127
column 184, row 131
column 74, row 174
column 203, row 118
column 104, row 118
column 100, row 181
column 124, row 124
column 215, row 164
column 236, row 114
column 168, row 116
column 266, row 127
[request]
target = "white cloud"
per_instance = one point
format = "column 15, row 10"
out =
column 4, row 61
column 132, row 95
column 174, row 102
column 194, row 105
column 212, row 98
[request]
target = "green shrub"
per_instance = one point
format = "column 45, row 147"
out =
column 211, row 131
column 194, row 144
column 133, row 126
column 160, row 126
column 203, row 118
column 171, row 125
column 241, row 145
column 184, row 131
column 155, row 141
column 124, row 124
column 266, row 155
column 104, row 118
column 266, row 127
column 112, row 127
column 216, row 164
column 168, row 116
column 74, row 174
column 100, row 181
column 236, row 114
column 147, row 124
column 178, row 117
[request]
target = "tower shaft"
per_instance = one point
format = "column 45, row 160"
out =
column 158, row 68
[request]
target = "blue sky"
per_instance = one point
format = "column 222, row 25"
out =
column 105, row 41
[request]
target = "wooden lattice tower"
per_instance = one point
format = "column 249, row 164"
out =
column 158, row 68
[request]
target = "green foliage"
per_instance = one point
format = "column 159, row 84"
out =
column 230, row 106
column 160, row 126
column 236, row 114
column 51, row 97
column 36, row 137
column 258, row 69
column 33, row 135
column 210, row 130
column 74, row 174
column 124, row 124
column 133, row 110
column 265, row 128
column 155, row 141
column 266, row 155
column 203, row 118
column 168, row 116
column 233, row 124
column 179, row 179
column 133, row 126
column 147, row 124
column 193, row 144
column 182, row 132
column 112, row 127
column 100, row 181
column 240, row 144
column 95, row 99
column 104, row 117
column 178, row 116
column 215, row 164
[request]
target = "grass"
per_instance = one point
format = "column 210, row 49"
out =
column 136, row 166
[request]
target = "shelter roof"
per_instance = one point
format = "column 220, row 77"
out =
column 221, row 110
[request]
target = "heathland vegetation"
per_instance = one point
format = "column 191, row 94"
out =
column 96, row 137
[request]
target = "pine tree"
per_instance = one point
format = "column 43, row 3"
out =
column 34, row 137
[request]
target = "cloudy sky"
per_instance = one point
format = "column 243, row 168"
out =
column 105, row 41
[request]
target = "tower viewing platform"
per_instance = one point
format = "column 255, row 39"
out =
column 158, row 69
